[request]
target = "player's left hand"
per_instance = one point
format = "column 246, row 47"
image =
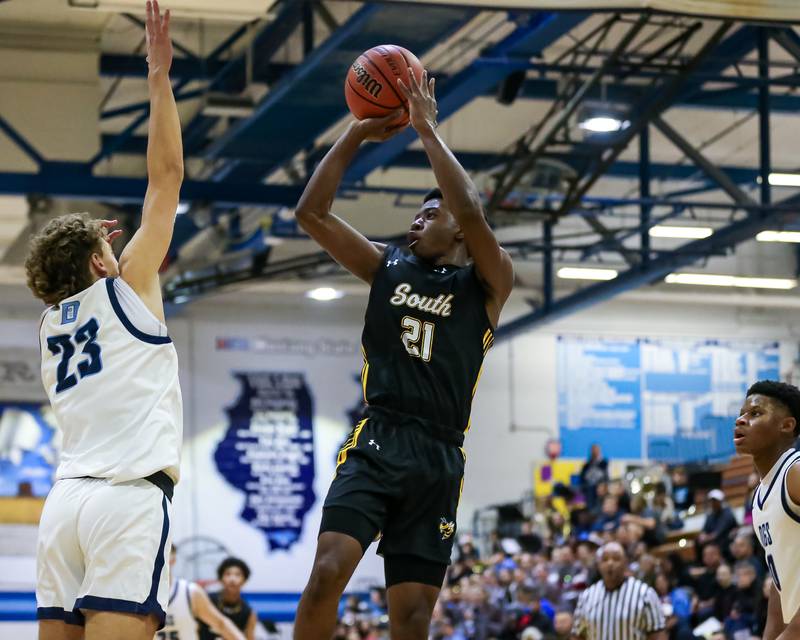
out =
column 422, row 109
column 111, row 233
column 159, row 45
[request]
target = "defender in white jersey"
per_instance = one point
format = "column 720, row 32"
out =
column 188, row 603
column 766, row 429
column 111, row 373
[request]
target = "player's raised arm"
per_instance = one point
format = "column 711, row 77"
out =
column 491, row 260
column 344, row 244
column 145, row 252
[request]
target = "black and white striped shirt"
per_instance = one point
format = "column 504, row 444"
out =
column 630, row 612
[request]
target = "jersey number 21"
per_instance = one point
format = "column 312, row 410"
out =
column 417, row 337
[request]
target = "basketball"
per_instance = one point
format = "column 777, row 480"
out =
column 370, row 88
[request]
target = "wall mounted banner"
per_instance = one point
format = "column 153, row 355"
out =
column 662, row 399
column 268, row 453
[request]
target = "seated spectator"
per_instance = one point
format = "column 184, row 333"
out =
column 726, row 593
column 719, row 523
column 678, row 598
column 617, row 489
column 664, row 506
column 705, row 580
column 478, row 617
column 743, row 550
column 527, row 538
column 676, row 603
column 646, row 518
column 610, row 516
column 675, row 568
column 748, row 589
column 645, row 569
column 562, row 627
column 682, row 493
column 526, row 611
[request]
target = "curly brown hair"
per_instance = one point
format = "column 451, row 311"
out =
column 58, row 258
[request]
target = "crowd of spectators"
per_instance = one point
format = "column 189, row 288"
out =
column 526, row 586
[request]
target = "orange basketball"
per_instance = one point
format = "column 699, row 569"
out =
column 371, row 89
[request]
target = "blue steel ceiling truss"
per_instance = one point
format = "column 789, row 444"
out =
column 599, row 67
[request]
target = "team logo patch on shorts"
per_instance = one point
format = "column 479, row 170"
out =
column 446, row 529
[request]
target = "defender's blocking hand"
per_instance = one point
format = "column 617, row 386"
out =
column 159, row 45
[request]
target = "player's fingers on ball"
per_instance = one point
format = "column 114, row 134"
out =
column 403, row 88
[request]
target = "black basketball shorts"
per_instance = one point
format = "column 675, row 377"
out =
column 406, row 483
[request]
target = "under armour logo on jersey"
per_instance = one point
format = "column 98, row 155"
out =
column 372, row 443
column 446, row 529
column 69, row 312
column 392, row 263
column 442, row 270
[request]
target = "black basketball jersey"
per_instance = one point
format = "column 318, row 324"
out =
column 426, row 332
column 238, row 613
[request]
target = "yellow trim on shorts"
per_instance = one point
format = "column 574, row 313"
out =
column 351, row 443
column 364, row 373
column 461, row 486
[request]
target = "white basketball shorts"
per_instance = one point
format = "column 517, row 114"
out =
column 103, row 547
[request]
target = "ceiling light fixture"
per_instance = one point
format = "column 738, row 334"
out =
column 713, row 280
column 324, row 294
column 778, row 236
column 666, row 231
column 604, row 124
column 584, row 273
column 784, row 179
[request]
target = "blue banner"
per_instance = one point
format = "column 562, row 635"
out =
column 268, row 453
column 664, row 399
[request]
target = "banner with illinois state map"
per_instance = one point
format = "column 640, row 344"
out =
column 267, row 453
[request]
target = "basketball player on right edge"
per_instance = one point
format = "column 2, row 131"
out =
column 766, row 429
column 429, row 322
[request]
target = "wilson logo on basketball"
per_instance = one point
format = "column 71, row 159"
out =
column 363, row 77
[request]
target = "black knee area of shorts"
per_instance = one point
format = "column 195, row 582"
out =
column 350, row 522
column 404, row 568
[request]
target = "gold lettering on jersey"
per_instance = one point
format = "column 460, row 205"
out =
column 438, row 306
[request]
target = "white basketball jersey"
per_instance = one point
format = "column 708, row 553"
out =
column 113, row 388
column 180, row 624
column 776, row 520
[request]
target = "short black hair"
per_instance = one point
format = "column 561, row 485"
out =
column 787, row 394
column 433, row 194
column 227, row 563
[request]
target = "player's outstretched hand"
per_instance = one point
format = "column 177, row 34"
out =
column 111, row 233
column 421, row 98
column 159, row 45
column 380, row 129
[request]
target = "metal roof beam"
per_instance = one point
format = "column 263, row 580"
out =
column 483, row 74
column 73, row 180
column 658, row 268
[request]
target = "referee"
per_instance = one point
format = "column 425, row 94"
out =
column 618, row 607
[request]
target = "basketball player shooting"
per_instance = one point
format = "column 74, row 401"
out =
column 429, row 322
column 767, row 428
column 111, row 374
